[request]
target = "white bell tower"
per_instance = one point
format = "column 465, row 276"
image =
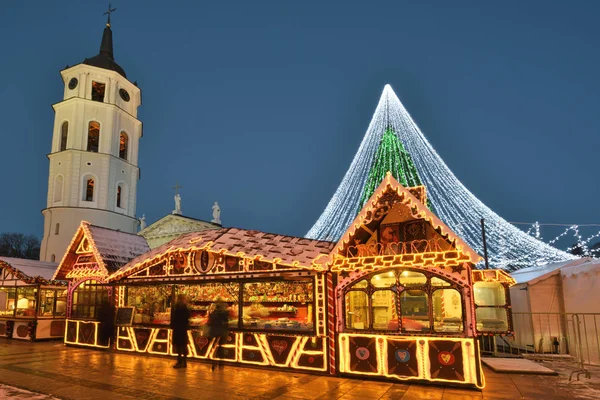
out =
column 94, row 158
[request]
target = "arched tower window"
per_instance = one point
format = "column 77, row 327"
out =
column 93, row 141
column 88, row 192
column 123, row 145
column 58, row 188
column 64, row 134
column 52, row 258
column 119, row 194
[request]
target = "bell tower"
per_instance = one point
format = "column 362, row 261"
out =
column 93, row 170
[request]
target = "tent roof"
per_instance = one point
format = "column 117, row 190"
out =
column 534, row 274
column 32, row 268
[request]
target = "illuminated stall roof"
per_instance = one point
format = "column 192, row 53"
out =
column 492, row 275
column 105, row 251
column 410, row 204
column 271, row 248
column 29, row 272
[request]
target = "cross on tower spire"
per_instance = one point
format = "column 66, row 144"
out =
column 110, row 10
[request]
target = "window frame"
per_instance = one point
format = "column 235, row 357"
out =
column 64, row 136
column 89, row 129
column 92, row 291
column 126, row 151
column 507, row 309
column 92, row 91
column 398, row 288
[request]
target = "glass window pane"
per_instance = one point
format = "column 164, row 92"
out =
column 360, row 285
column 414, row 306
column 439, row 282
column 26, row 300
column 61, row 303
column 385, row 279
column 385, row 313
column 410, row 278
column 357, row 310
column 490, row 319
column 202, row 297
column 278, row 305
column 7, row 301
column 152, row 303
column 447, row 311
column 489, row 294
column 46, row 303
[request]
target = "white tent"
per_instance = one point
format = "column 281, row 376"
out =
column 550, row 301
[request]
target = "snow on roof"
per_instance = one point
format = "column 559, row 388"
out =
column 32, row 268
column 287, row 250
column 586, row 265
column 117, row 248
column 533, row 274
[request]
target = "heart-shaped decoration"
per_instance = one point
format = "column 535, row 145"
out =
column 362, row 353
column 279, row 346
column 201, row 342
column 446, row 358
column 402, row 356
column 141, row 336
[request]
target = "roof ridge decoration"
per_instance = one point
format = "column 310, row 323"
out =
column 78, row 246
column 418, row 209
column 32, row 280
column 248, row 246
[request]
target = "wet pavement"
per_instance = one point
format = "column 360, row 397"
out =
column 76, row 373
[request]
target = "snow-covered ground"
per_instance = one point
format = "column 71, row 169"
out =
column 9, row 392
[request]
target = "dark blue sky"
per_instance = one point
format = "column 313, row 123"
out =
column 262, row 105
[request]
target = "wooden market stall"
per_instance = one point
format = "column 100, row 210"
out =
column 393, row 299
column 93, row 254
column 274, row 290
column 404, row 294
column 32, row 305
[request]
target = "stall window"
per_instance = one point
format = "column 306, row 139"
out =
column 491, row 310
column 411, row 278
column 357, row 310
column 203, row 297
column 447, row 310
column 385, row 313
column 414, row 306
column 61, row 303
column 26, row 301
column 152, row 303
column 47, row 302
column 87, row 299
column 403, row 300
column 7, row 301
column 278, row 305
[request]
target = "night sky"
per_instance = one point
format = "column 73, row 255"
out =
column 261, row 105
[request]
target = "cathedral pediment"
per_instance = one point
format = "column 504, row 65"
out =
column 172, row 226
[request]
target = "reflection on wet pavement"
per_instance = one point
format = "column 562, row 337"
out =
column 78, row 373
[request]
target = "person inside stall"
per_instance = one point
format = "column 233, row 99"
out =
column 180, row 323
column 218, row 324
column 106, row 316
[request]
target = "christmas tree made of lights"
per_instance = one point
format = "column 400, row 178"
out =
column 508, row 246
column 391, row 156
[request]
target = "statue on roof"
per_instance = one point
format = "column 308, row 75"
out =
column 142, row 222
column 216, row 214
column 177, row 209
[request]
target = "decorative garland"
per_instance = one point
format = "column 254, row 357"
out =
column 36, row 280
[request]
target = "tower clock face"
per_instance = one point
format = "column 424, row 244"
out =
column 124, row 95
column 73, row 83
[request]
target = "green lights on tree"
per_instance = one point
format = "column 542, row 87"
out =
column 390, row 156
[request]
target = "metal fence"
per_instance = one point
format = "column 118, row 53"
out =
column 570, row 336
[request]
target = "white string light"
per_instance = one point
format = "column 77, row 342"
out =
column 508, row 246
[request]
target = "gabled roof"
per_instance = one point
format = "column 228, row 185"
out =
column 112, row 249
column 30, row 271
column 269, row 247
column 418, row 210
column 188, row 224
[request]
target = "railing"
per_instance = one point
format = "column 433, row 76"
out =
column 569, row 336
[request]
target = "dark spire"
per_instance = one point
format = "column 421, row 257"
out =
column 106, row 47
column 106, row 59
